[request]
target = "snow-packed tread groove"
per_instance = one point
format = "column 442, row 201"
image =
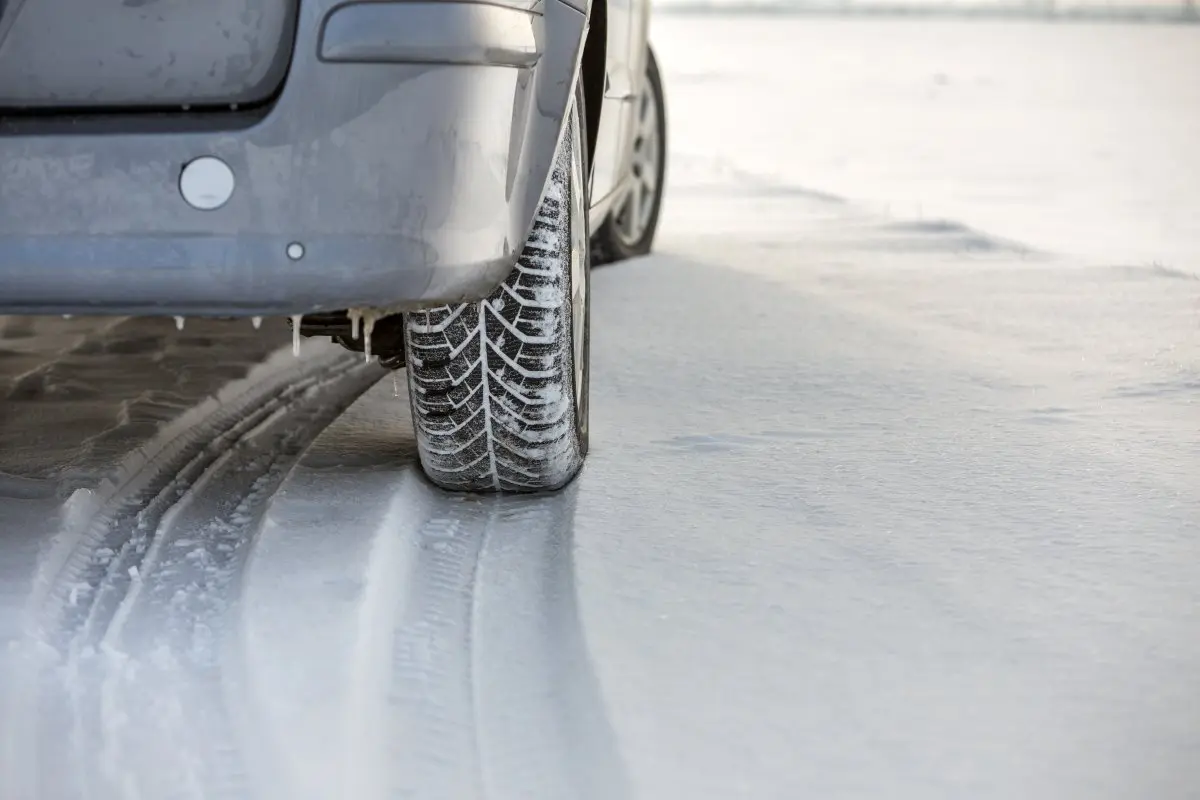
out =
column 154, row 571
column 486, row 393
column 491, row 383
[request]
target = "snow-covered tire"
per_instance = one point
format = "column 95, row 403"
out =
column 630, row 228
column 499, row 388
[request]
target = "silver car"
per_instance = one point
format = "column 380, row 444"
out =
column 427, row 181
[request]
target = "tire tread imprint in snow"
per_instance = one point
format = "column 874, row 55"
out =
column 153, row 567
column 492, row 383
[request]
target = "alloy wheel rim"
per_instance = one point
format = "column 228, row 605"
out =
column 637, row 208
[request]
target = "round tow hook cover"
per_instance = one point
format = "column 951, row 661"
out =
column 206, row 183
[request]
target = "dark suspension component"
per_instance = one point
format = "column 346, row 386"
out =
column 387, row 335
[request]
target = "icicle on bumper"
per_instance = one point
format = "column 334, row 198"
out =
column 363, row 319
column 368, row 326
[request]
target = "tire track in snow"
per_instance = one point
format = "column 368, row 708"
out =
column 80, row 336
column 539, row 711
column 410, row 643
column 133, row 606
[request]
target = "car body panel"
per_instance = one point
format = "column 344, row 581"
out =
column 399, row 167
column 628, row 34
column 429, row 33
column 137, row 53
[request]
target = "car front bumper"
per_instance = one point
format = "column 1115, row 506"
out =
column 400, row 166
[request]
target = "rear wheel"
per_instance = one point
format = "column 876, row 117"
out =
column 629, row 230
column 499, row 388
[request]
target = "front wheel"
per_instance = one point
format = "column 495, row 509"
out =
column 629, row 230
column 499, row 388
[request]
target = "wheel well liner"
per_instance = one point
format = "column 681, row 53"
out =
column 592, row 71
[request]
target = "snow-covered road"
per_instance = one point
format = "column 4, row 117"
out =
column 894, row 487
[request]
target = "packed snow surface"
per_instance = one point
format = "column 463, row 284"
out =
column 1181, row 10
column 892, row 488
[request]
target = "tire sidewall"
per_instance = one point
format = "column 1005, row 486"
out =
column 580, row 204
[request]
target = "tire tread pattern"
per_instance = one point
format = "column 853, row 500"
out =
column 491, row 383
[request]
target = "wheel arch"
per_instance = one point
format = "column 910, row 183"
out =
column 592, row 71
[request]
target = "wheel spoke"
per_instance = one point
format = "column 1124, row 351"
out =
column 648, row 175
column 628, row 220
column 635, row 210
column 649, row 121
column 649, row 181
